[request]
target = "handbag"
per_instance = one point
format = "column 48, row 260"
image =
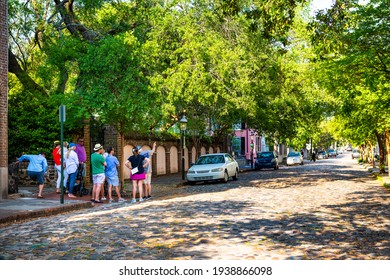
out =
column 134, row 170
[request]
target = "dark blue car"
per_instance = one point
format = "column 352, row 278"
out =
column 266, row 160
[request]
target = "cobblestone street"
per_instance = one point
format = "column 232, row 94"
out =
column 330, row 209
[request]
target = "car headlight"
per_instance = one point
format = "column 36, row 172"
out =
column 191, row 172
column 217, row 169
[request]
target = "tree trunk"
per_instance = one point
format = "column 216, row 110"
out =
column 121, row 158
column 65, row 9
column 387, row 135
column 365, row 153
column 372, row 154
column 28, row 83
column 381, row 143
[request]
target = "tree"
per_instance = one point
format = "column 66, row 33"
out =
column 352, row 43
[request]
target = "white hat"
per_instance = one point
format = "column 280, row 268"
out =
column 97, row 147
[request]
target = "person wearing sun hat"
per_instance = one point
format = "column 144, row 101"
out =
column 98, row 164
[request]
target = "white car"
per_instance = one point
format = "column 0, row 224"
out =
column 210, row 167
column 294, row 158
column 355, row 153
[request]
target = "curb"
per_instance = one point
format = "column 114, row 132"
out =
column 26, row 215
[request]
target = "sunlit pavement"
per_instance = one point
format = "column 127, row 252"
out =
column 330, row 209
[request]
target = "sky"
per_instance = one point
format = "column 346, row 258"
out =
column 321, row 4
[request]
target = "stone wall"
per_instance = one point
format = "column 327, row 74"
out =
column 50, row 177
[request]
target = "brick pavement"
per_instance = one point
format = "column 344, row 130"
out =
column 325, row 210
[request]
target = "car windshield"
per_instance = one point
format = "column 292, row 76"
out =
column 210, row 159
column 293, row 154
column 265, row 155
column 331, row 151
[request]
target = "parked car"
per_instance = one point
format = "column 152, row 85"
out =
column 355, row 153
column 294, row 158
column 322, row 155
column 210, row 167
column 332, row 153
column 266, row 160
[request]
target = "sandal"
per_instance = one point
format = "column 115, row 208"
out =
column 40, row 197
column 58, row 191
column 72, row 196
column 98, row 201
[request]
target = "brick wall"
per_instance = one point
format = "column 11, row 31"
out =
column 3, row 100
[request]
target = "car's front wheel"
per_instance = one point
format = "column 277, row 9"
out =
column 225, row 177
column 235, row 177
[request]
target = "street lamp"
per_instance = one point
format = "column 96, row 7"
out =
column 183, row 127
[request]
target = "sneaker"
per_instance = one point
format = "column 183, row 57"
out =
column 141, row 199
column 133, row 200
column 103, row 199
column 111, row 200
column 149, row 197
column 121, row 200
column 144, row 198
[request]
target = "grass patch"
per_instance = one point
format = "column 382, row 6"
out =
column 382, row 181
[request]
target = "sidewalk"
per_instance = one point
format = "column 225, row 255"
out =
column 25, row 205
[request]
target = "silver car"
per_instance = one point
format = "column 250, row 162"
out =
column 212, row 167
column 294, row 158
column 355, row 153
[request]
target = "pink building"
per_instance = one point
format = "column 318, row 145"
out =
column 246, row 142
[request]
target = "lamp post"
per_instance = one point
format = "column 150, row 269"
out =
column 183, row 127
column 62, row 111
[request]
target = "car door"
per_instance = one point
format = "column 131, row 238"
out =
column 230, row 164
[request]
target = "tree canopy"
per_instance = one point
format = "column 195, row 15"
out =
column 141, row 64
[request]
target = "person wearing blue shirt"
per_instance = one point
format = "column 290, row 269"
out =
column 111, row 173
column 36, row 169
column 148, row 172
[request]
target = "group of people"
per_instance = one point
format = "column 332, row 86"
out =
column 104, row 168
column 74, row 156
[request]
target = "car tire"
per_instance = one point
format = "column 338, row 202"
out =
column 225, row 177
column 191, row 183
column 235, row 177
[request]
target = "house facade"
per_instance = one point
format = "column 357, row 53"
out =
column 247, row 142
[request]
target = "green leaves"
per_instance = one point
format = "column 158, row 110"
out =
column 352, row 42
column 140, row 65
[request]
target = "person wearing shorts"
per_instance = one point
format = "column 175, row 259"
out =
column 148, row 172
column 98, row 164
column 36, row 169
column 137, row 176
column 111, row 173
